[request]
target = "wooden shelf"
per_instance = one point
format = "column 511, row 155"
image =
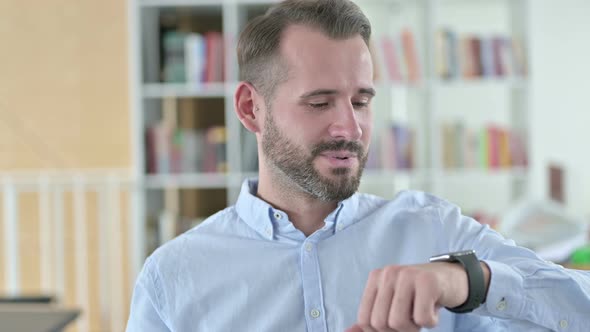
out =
column 483, row 82
column 468, row 174
column 195, row 90
column 200, row 3
column 196, row 180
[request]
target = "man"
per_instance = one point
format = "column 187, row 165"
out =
column 301, row 251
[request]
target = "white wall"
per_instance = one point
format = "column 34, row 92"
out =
column 560, row 103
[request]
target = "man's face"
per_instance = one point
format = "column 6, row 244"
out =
column 317, row 127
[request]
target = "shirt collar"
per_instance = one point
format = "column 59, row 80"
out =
column 259, row 215
column 253, row 210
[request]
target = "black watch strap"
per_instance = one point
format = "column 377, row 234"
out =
column 477, row 289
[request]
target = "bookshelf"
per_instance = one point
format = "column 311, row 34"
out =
column 412, row 102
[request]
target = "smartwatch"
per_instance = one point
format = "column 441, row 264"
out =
column 477, row 288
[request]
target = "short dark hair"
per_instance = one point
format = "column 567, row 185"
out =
column 258, row 55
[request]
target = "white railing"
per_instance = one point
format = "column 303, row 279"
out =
column 63, row 202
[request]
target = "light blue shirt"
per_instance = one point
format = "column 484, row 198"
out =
column 247, row 268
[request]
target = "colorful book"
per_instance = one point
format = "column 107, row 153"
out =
column 195, row 57
column 391, row 59
column 411, row 56
column 173, row 57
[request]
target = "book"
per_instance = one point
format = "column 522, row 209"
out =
column 471, row 56
column 491, row 147
column 442, row 56
column 391, row 59
column 410, row 56
column 447, row 54
column 192, row 143
column 471, row 148
column 468, row 66
column 454, row 69
column 186, row 150
column 475, row 46
column 214, row 57
column 403, row 146
column 504, row 148
column 173, row 57
column 150, row 145
column 195, row 57
column 458, row 138
column 387, row 155
column 163, row 134
column 487, row 58
column 377, row 60
column 215, row 145
column 497, row 51
column 484, row 148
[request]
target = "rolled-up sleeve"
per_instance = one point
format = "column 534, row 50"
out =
column 146, row 305
column 524, row 290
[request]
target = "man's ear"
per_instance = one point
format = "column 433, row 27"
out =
column 246, row 100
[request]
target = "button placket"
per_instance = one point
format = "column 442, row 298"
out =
column 311, row 282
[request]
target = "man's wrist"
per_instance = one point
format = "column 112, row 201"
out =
column 474, row 285
column 487, row 276
column 458, row 286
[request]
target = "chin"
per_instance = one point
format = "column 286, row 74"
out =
column 343, row 172
column 336, row 172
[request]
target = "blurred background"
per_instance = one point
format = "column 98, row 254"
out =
column 117, row 133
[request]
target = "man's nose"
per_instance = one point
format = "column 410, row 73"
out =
column 346, row 125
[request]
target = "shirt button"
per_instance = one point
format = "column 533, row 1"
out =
column 268, row 231
column 308, row 246
column 339, row 227
column 501, row 305
column 563, row 324
column 315, row 313
column 278, row 215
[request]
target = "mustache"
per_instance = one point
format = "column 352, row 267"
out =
column 351, row 146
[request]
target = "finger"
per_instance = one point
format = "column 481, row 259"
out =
column 354, row 328
column 366, row 306
column 382, row 305
column 400, row 315
column 425, row 308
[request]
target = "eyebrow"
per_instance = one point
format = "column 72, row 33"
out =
column 328, row 92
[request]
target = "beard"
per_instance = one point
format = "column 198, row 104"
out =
column 296, row 164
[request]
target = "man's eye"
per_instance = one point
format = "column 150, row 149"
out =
column 360, row 104
column 319, row 105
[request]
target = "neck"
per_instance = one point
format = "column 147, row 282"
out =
column 307, row 213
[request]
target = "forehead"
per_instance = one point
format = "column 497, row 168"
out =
column 314, row 58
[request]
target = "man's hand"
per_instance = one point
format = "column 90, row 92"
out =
column 407, row 298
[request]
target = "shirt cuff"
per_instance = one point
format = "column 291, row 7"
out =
column 505, row 298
